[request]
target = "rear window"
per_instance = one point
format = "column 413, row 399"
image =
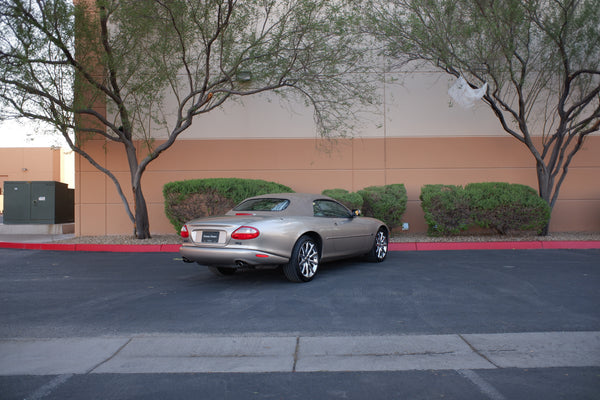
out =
column 265, row 204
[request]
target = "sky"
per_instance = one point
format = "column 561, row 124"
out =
column 15, row 134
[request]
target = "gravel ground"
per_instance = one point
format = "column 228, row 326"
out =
column 398, row 238
column 554, row 236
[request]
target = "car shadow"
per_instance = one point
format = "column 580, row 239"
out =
column 271, row 275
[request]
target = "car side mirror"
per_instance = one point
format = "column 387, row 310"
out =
column 356, row 213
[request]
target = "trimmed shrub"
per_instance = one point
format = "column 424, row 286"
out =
column 500, row 206
column 507, row 207
column 446, row 208
column 351, row 200
column 189, row 199
column 386, row 203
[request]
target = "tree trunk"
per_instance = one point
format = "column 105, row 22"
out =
column 141, row 228
column 142, row 222
column 545, row 186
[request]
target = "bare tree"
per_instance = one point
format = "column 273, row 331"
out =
column 540, row 58
column 157, row 65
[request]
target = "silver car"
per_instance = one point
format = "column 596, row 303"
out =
column 293, row 230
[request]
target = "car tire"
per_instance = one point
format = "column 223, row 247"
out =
column 221, row 271
column 379, row 250
column 304, row 261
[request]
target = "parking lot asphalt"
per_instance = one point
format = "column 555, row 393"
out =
column 485, row 317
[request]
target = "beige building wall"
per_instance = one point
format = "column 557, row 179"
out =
column 416, row 137
column 30, row 164
column 305, row 166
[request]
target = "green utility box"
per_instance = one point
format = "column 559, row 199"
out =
column 38, row 202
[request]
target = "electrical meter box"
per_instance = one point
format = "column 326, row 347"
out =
column 38, row 202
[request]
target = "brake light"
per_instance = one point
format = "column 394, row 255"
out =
column 184, row 232
column 245, row 233
column 244, row 214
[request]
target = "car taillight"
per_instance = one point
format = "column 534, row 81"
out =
column 245, row 233
column 184, row 232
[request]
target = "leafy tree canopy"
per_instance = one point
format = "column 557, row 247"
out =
column 156, row 65
column 540, row 58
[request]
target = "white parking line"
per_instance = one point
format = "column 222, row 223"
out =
column 481, row 384
column 48, row 388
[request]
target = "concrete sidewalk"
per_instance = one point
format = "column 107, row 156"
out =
column 35, row 233
column 269, row 353
column 34, row 238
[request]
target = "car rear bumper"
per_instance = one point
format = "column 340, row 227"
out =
column 229, row 257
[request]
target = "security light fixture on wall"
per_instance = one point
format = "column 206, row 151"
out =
column 244, row 76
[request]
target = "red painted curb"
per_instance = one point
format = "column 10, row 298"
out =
column 428, row 246
column 113, row 248
column 57, row 246
column 399, row 246
column 404, row 246
column 119, row 248
column 170, row 248
column 572, row 244
column 9, row 245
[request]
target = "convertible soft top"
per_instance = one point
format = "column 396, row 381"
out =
column 301, row 204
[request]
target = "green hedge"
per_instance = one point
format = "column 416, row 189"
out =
column 446, row 209
column 386, row 203
column 500, row 206
column 352, row 200
column 505, row 207
column 189, row 199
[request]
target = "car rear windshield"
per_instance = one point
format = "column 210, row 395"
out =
column 265, row 204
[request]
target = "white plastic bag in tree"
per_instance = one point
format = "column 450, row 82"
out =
column 464, row 95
